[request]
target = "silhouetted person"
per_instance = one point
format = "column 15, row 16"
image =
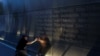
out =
column 20, row 49
column 45, row 45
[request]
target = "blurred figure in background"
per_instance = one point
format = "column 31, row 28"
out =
column 21, row 47
column 45, row 45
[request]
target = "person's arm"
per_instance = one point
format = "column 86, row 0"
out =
column 29, row 43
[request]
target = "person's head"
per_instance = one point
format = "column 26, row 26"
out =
column 24, row 37
column 38, row 37
column 43, row 37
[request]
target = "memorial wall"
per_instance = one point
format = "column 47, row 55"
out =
column 76, row 23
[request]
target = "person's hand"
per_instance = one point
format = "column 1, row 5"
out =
column 36, row 39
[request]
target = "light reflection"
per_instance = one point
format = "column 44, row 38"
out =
column 1, row 38
column 18, row 32
column 47, row 55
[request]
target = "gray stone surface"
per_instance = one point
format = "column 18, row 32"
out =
column 77, row 51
